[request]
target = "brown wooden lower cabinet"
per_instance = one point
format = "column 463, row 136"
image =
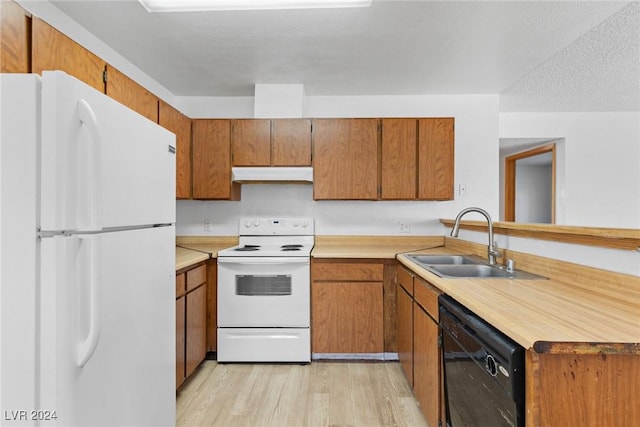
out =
column 574, row 384
column 405, row 323
column 347, row 307
column 418, row 343
column 212, row 305
column 196, row 328
column 426, row 364
column 191, row 321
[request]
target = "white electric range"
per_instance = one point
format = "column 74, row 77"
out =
column 264, row 292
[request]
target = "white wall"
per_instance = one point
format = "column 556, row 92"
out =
column 476, row 166
column 616, row 260
column 601, row 163
column 533, row 193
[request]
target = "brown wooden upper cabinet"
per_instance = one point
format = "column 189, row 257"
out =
column 345, row 159
column 52, row 50
column 211, row 157
column 277, row 142
column 176, row 122
column 131, row 94
column 436, row 158
column 399, row 159
column 15, row 38
column 417, row 159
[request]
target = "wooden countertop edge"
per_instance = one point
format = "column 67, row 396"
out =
column 586, row 348
column 615, row 238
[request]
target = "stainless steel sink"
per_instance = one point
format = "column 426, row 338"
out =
column 427, row 260
column 479, row 271
column 466, row 266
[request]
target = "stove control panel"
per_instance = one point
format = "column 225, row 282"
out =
column 281, row 226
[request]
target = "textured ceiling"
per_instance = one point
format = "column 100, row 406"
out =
column 541, row 55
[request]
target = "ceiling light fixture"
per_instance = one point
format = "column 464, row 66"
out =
column 212, row 5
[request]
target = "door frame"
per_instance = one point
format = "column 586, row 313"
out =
column 510, row 180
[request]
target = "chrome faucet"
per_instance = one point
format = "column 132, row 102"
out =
column 492, row 250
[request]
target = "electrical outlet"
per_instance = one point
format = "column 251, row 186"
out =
column 207, row 225
column 403, row 227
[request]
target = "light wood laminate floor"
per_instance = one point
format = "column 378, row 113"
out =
column 320, row 394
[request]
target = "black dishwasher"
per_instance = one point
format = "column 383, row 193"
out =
column 483, row 370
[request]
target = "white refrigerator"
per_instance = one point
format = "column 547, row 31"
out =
column 87, row 258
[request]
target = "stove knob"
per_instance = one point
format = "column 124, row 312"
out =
column 256, row 222
column 305, row 223
column 247, row 223
column 296, row 223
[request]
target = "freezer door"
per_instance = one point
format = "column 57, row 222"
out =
column 108, row 328
column 103, row 165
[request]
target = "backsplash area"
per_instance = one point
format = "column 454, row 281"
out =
column 331, row 217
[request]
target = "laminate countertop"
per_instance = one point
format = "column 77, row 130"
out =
column 550, row 314
column 187, row 257
column 371, row 247
column 194, row 249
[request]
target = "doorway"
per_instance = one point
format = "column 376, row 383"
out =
column 530, row 186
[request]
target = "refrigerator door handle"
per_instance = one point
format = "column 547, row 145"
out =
column 88, row 118
column 87, row 347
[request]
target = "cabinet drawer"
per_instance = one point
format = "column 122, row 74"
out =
column 427, row 296
column 405, row 279
column 347, row 272
column 180, row 285
column 196, row 277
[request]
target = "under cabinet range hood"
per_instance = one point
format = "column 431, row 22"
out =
column 271, row 174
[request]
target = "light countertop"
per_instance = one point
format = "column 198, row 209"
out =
column 374, row 247
column 546, row 310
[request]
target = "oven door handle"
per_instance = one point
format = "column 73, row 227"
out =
column 263, row 261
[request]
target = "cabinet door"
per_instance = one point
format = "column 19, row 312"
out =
column 52, row 50
column 14, row 38
column 196, row 327
column 426, row 367
column 129, row 93
column 345, row 159
column 399, row 148
column 211, row 148
column 346, row 317
column 405, row 332
column 291, row 142
column 180, row 341
column 251, row 142
column 176, row 122
column 436, row 158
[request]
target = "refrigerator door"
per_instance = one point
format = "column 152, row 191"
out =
column 103, row 165
column 108, row 328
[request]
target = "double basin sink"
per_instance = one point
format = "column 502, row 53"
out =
column 466, row 266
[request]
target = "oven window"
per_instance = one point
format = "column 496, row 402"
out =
column 263, row 285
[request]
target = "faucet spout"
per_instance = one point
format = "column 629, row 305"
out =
column 492, row 251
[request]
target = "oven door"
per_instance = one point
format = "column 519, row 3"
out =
column 263, row 292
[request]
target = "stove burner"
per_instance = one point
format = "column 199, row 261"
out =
column 294, row 247
column 247, row 248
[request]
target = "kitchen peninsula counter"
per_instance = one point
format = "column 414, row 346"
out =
column 586, row 310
